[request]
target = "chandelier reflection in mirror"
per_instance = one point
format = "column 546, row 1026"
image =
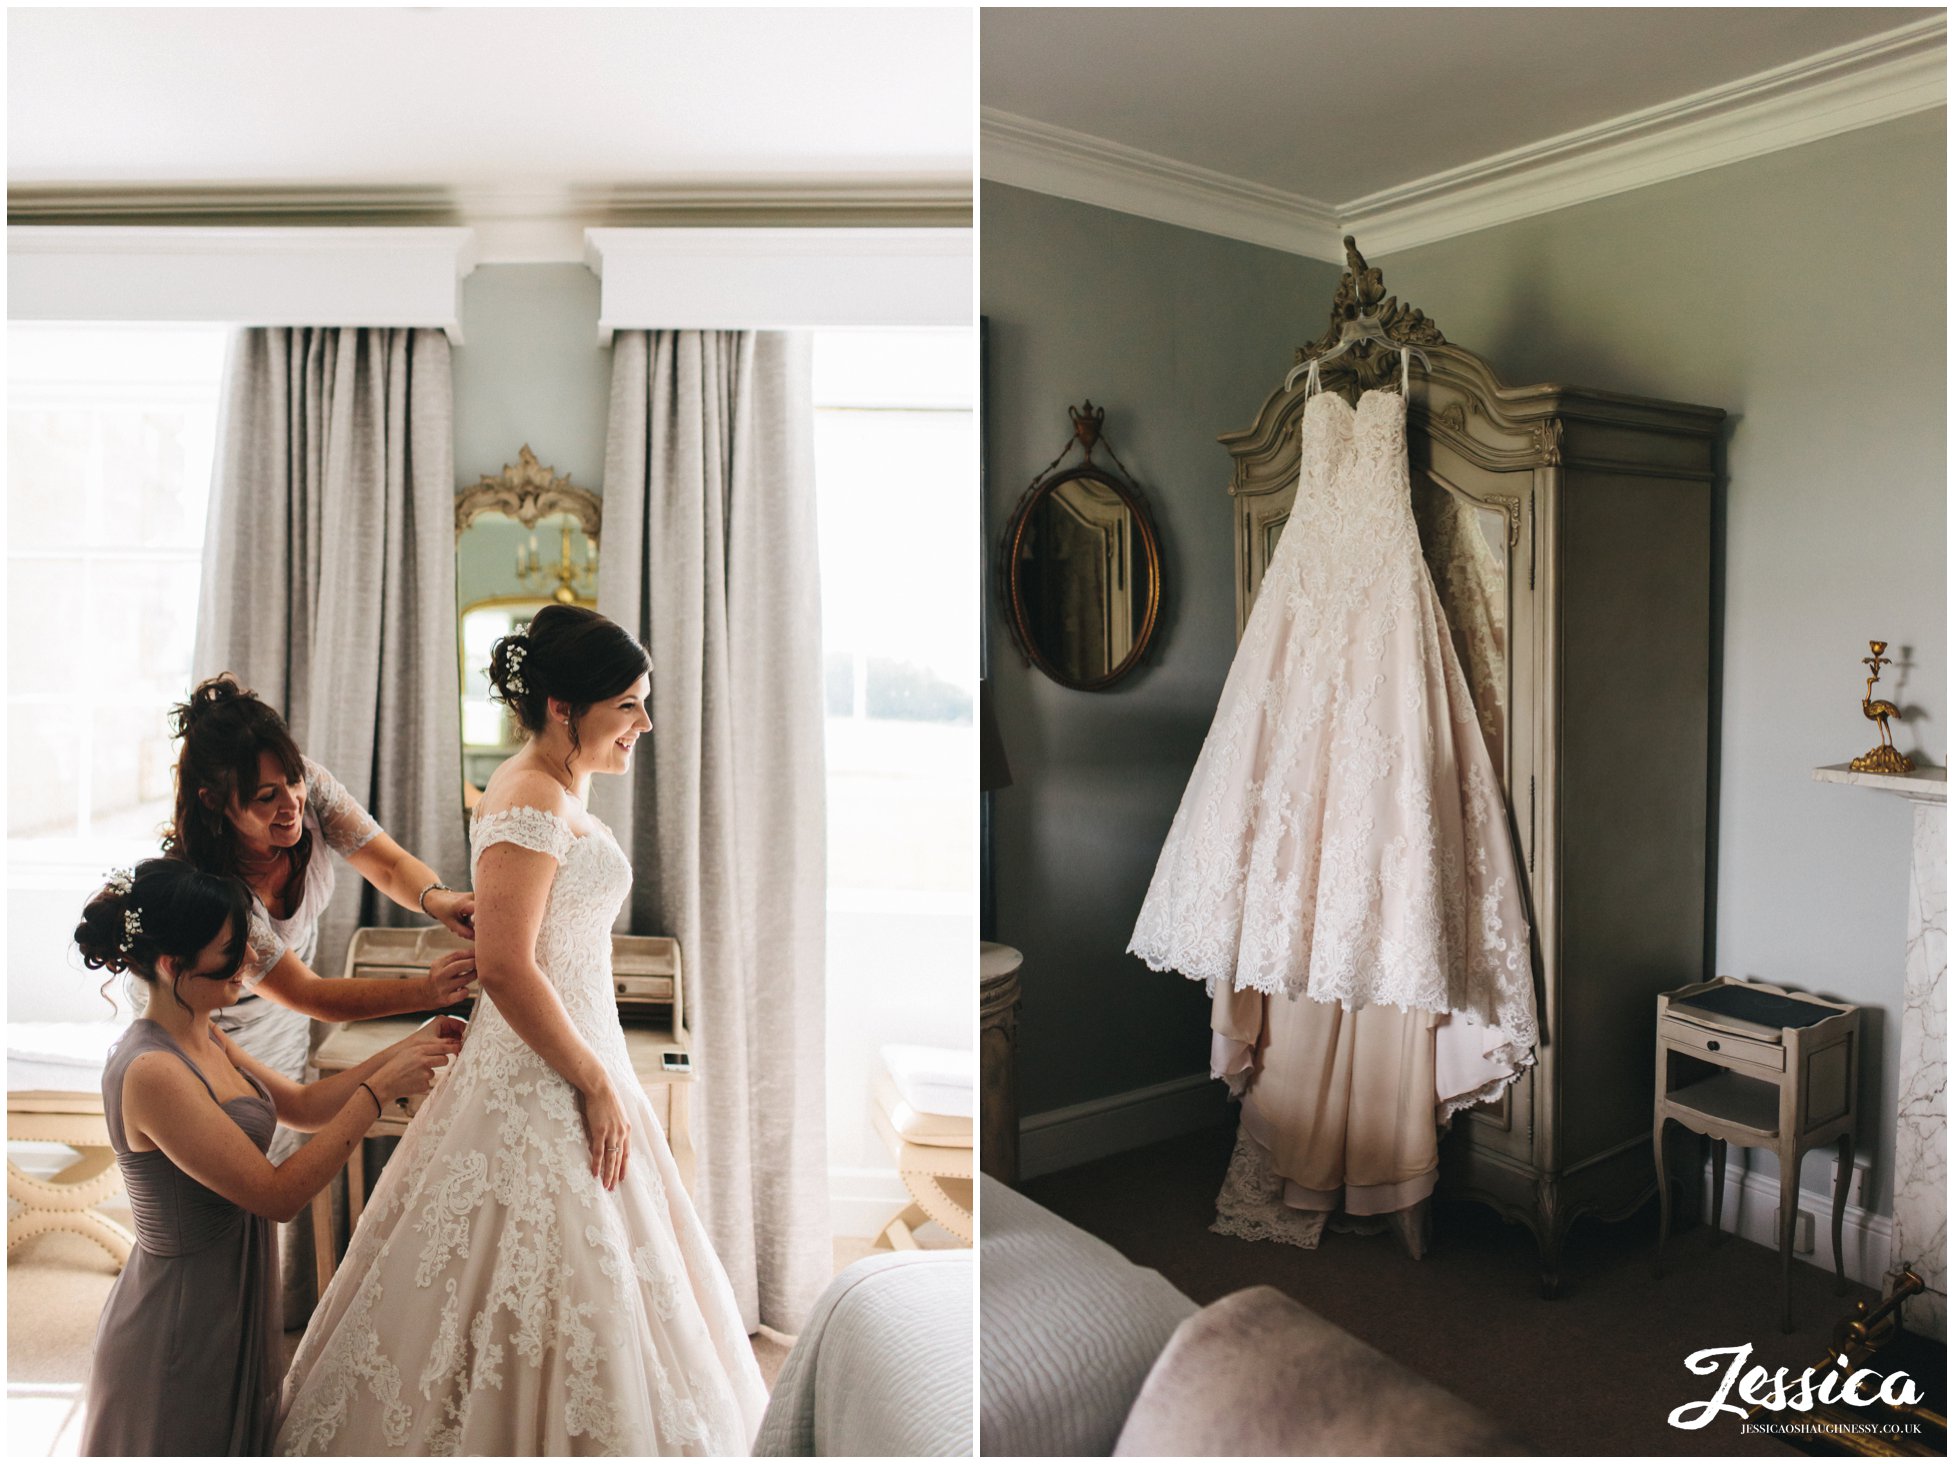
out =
column 1082, row 567
column 569, row 580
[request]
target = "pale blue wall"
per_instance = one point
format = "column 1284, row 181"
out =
column 1179, row 335
column 531, row 370
column 1804, row 292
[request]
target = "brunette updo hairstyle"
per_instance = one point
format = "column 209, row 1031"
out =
column 571, row 653
column 223, row 729
column 178, row 910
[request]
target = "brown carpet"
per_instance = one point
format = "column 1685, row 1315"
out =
column 57, row 1284
column 1595, row 1372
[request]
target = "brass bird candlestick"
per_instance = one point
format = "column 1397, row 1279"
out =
column 1886, row 758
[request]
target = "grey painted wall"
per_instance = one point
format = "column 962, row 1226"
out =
column 1179, row 335
column 1804, row 292
column 531, row 370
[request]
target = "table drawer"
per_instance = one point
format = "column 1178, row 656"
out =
column 1722, row 1045
column 642, row 988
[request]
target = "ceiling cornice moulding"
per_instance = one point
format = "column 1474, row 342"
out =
column 514, row 224
column 1880, row 79
column 1043, row 158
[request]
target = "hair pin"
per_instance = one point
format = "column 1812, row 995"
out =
column 131, row 928
column 122, row 881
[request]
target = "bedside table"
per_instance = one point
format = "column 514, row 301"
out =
column 1745, row 1063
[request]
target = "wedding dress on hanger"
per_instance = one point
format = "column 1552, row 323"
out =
column 1343, row 846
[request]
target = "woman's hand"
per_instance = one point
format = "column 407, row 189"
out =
column 455, row 1028
column 447, row 979
column 609, row 1133
column 410, row 1063
column 454, row 909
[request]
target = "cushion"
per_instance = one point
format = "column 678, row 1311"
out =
column 938, row 1080
column 915, row 1127
column 1256, row 1373
column 60, row 1057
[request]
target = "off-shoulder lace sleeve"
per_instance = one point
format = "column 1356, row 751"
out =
column 532, row 828
column 348, row 827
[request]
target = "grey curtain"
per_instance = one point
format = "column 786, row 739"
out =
column 709, row 556
column 329, row 577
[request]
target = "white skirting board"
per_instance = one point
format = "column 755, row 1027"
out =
column 1062, row 1137
column 1750, row 1210
column 862, row 1201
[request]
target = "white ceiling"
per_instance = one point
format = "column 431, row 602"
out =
column 1339, row 104
column 489, row 99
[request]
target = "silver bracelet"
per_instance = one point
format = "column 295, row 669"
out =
column 422, row 901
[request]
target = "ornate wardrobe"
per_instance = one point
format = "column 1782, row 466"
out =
column 1569, row 536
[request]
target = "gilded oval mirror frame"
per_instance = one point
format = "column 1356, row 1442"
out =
column 1081, row 571
column 524, row 538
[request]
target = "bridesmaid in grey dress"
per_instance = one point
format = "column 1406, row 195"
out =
column 187, row 1351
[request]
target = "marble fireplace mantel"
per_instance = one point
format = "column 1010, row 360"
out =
column 1920, row 1129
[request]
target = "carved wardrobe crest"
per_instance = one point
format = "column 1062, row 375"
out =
column 1568, row 535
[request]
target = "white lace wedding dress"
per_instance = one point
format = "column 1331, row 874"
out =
column 1343, row 841
column 496, row 1299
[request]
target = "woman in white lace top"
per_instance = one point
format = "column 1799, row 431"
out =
column 250, row 804
column 529, row 1276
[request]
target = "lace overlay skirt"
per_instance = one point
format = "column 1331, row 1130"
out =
column 497, row 1300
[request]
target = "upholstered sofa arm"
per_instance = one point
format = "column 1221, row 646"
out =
column 1255, row 1373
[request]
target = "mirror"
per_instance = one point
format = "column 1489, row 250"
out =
column 523, row 539
column 1082, row 570
column 1466, row 545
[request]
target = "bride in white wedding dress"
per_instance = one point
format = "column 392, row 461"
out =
column 529, row 1276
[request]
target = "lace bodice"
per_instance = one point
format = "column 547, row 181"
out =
column 573, row 943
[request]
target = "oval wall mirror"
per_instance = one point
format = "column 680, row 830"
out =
column 523, row 539
column 1082, row 570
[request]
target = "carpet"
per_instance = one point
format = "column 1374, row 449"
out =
column 1595, row 1372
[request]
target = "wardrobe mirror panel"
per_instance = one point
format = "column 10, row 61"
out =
column 1084, row 579
column 1468, row 549
column 523, row 540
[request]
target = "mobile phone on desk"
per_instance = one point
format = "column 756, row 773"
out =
column 678, row 1062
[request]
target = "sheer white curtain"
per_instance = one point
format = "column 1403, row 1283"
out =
column 709, row 557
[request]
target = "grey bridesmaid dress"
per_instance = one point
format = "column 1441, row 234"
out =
column 187, row 1357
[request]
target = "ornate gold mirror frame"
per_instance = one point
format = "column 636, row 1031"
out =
column 1086, row 425
column 527, row 493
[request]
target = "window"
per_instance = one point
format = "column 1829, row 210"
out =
column 895, row 455
column 111, row 431
column 896, row 487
